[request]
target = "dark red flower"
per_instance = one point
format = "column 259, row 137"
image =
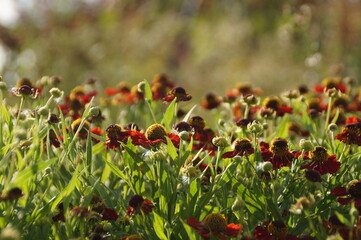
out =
column 241, row 146
column 137, row 205
column 351, row 134
column 60, row 216
column 321, row 161
column 210, row 101
column 275, row 230
column 115, row 136
column 277, row 153
column 109, row 214
column 83, row 132
column 179, row 93
column 154, row 135
column 352, row 193
column 275, row 104
column 329, row 83
column 216, row 224
column 11, row 195
column 132, row 237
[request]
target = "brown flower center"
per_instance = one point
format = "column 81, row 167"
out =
column 197, row 122
column 353, row 129
column 277, row 229
column 178, row 92
column 76, row 124
column 319, row 154
column 279, row 146
column 113, row 131
column 273, row 103
column 216, row 222
column 354, row 189
column 136, row 201
column 242, row 144
column 155, row 132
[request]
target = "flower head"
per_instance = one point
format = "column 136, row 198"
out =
column 132, row 237
column 352, row 193
column 321, row 161
column 277, row 153
column 197, row 123
column 155, row 132
column 179, row 93
column 216, row 224
column 115, row 135
column 351, row 134
column 83, row 132
column 276, row 230
column 210, row 101
column 137, row 205
column 241, row 147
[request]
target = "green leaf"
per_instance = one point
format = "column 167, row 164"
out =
column 282, row 130
column 148, row 91
column 67, row 190
column 172, row 151
column 169, row 114
column 159, row 226
column 24, row 176
column 89, row 152
column 191, row 233
column 116, row 170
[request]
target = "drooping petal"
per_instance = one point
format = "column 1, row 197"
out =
column 339, row 191
column 344, row 201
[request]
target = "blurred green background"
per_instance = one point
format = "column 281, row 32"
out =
column 204, row 46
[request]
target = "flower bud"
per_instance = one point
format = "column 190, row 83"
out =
column 107, row 226
column 237, row 159
column 43, row 111
column 238, row 204
column 190, row 171
column 3, row 86
column 332, row 127
column 94, row 111
column 267, row 166
column 255, row 127
column 141, row 86
column 56, row 92
column 220, row 142
column 184, row 135
column 20, row 134
column 306, row 145
column 354, row 212
column 250, row 99
column 333, row 92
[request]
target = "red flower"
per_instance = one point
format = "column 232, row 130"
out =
column 115, row 136
column 329, row 83
column 153, row 136
column 242, row 146
column 321, row 161
column 210, row 101
column 96, row 131
column 109, row 214
column 204, row 138
column 351, row 134
column 353, row 119
column 275, row 230
column 352, row 193
column 179, row 93
column 216, row 224
column 137, row 205
column 277, row 153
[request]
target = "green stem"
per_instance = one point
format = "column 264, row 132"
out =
column 328, row 112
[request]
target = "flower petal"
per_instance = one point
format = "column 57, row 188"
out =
column 339, row 191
